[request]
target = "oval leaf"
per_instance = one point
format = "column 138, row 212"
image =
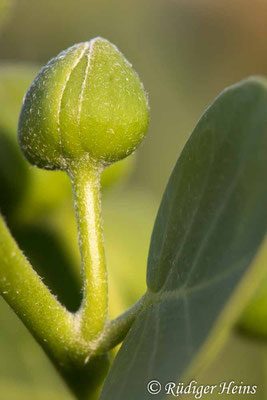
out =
column 211, row 222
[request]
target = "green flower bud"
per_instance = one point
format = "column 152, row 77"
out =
column 86, row 103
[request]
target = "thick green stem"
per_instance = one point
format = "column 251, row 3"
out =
column 24, row 291
column 86, row 189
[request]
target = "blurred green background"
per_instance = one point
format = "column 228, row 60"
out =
column 186, row 52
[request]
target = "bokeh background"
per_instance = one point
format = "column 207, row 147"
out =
column 186, row 52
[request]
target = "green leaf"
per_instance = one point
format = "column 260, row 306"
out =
column 211, row 222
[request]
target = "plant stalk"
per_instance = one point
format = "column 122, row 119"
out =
column 86, row 190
